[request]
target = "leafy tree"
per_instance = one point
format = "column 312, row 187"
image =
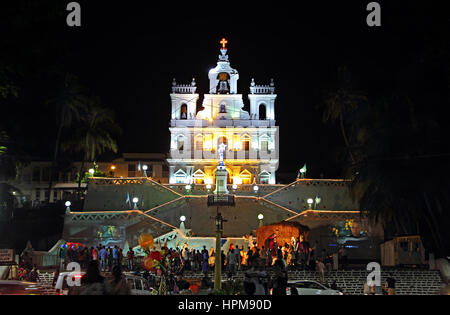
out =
column 93, row 136
column 70, row 104
column 340, row 102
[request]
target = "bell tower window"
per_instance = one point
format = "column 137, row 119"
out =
column 262, row 112
column 223, row 86
column 183, row 111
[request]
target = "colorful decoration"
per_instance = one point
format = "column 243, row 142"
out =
column 146, row 241
column 72, row 246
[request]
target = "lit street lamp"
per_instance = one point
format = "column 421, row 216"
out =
column 310, row 202
column 68, row 204
column 182, row 219
column 145, row 168
column 91, row 171
column 135, row 201
column 260, row 218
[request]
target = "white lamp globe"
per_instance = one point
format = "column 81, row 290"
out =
column 255, row 188
column 235, row 186
column 68, row 203
column 208, row 186
column 144, row 167
column 182, row 218
column 91, row 171
column 310, row 201
column 135, row 199
column 260, row 216
column 188, row 187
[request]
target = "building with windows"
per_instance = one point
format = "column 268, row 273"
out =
column 251, row 152
column 32, row 181
column 220, row 143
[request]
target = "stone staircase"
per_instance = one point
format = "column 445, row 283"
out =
column 408, row 282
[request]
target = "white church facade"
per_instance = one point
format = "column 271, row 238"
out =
column 250, row 138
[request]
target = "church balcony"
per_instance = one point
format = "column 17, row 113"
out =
column 262, row 89
column 221, row 123
column 184, row 89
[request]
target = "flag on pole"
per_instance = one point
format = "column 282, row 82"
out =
column 128, row 201
column 318, row 199
column 303, row 171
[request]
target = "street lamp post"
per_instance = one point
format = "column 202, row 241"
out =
column 145, row 168
column 135, row 201
column 218, row 261
column 260, row 217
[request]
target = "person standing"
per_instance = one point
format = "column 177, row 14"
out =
column 279, row 283
column 34, row 274
column 321, row 269
column 115, row 255
column 103, row 256
column 94, row 253
column 390, row 284
column 222, row 259
column 119, row 285
column 92, row 283
column 130, row 257
column 263, row 256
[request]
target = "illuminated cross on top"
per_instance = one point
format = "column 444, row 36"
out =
column 223, row 42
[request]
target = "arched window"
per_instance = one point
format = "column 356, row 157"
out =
column 264, row 143
column 264, row 177
column 180, row 142
column 223, row 140
column 246, row 177
column 199, row 142
column 180, row 177
column 262, row 111
column 183, row 112
column 246, row 142
column 222, row 108
column 199, row 176
column 223, row 85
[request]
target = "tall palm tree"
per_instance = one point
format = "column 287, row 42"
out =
column 395, row 177
column 340, row 102
column 94, row 136
column 70, row 103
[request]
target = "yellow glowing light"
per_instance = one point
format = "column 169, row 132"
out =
column 237, row 180
column 113, row 167
column 208, row 180
column 223, row 42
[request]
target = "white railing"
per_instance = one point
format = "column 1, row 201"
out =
column 184, row 89
column 262, row 89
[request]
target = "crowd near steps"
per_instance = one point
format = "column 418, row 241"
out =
column 408, row 281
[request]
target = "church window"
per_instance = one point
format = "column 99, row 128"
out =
column 246, row 142
column 223, row 85
column 262, row 112
column 246, row 177
column 222, row 108
column 180, row 143
column 131, row 170
column 183, row 113
column 264, row 177
column 198, row 142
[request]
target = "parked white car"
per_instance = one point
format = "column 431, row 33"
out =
column 310, row 287
column 138, row 285
column 61, row 286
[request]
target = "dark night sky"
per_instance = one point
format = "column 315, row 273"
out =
column 128, row 52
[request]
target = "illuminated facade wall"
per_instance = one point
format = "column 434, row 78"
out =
column 251, row 137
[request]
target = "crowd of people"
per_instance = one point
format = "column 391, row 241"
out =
column 265, row 270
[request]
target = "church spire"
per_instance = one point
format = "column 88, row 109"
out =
column 223, row 50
